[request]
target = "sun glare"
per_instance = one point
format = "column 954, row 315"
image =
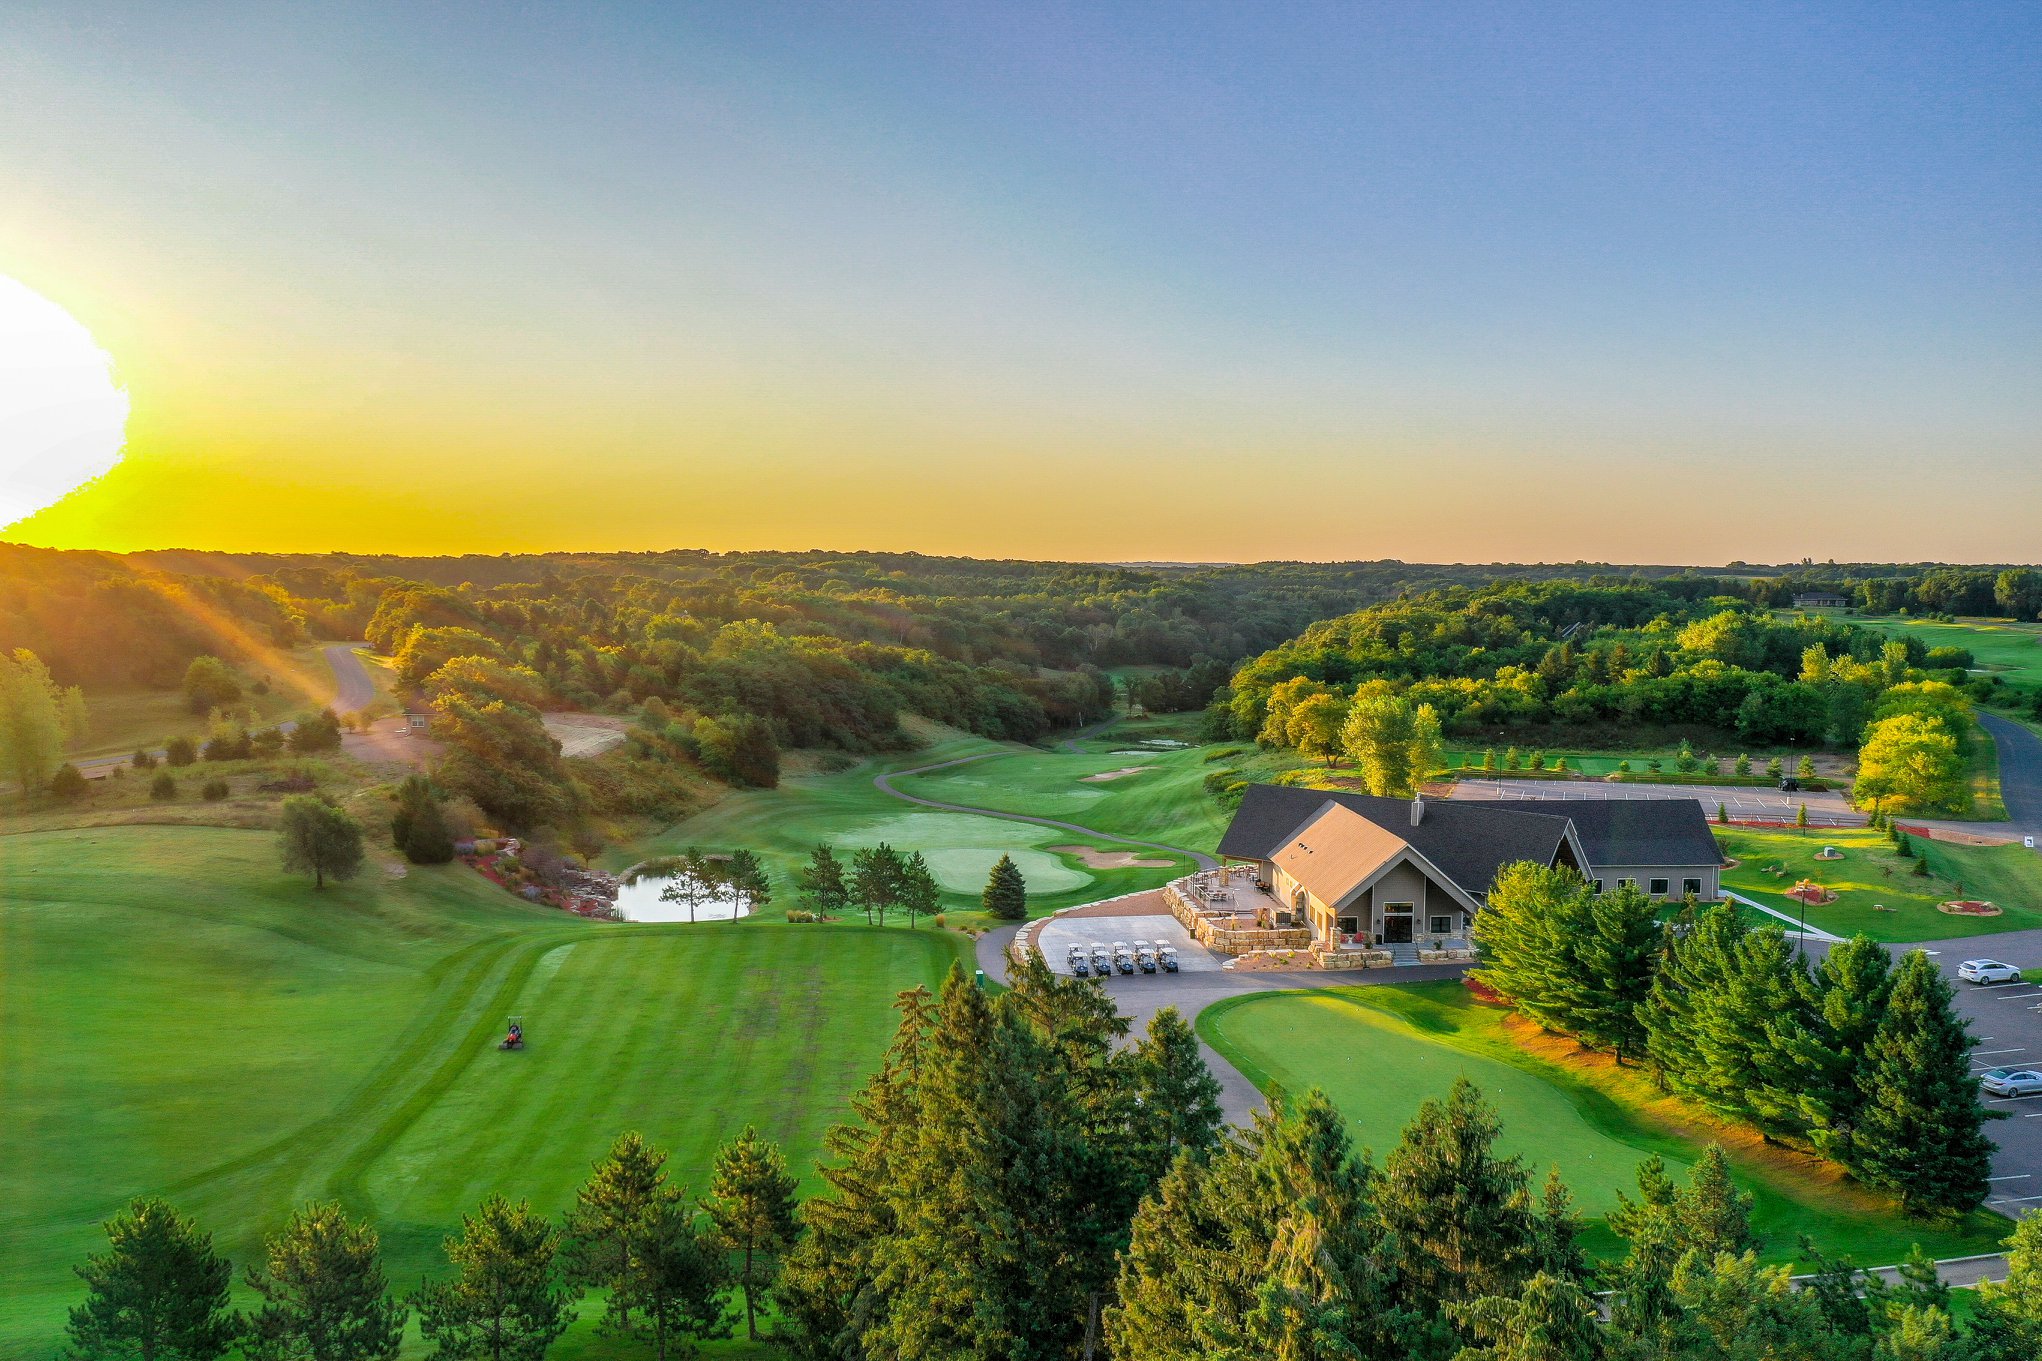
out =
column 63, row 419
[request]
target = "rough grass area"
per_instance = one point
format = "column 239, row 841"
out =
column 843, row 808
column 1378, row 1052
column 1872, row 875
column 180, row 1017
column 122, row 720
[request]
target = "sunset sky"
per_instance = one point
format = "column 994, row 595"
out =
column 1436, row 280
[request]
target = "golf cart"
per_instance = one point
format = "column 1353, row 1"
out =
column 1102, row 960
column 1081, row 966
column 1145, row 955
column 514, row 1038
column 1166, row 955
column 1123, row 958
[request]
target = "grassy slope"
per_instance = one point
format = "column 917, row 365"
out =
column 1380, row 1051
column 122, row 720
column 179, row 1017
column 1871, row 873
column 847, row 811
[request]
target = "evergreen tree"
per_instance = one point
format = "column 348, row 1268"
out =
column 1619, row 957
column 318, row 838
column 615, row 1215
column 751, row 1204
column 1006, row 893
column 875, row 880
column 1179, row 1096
column 505, row 1302
column 1556, row 1232
column 1922, row 1133
column 324, row 1294
column 1695, row 969
column 679, row 1282
column 2008, row 1322
column 919, row 894
column 1849, row 992
column 158, row 1293
column 823, row 888
column 1460, row 1216
column 1710, row 1215
column 1529, row 932
column 1748, row 1069
column 746, row 875
column 418, row 828
column 1551, row 1320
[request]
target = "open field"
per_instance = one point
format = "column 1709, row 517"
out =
column 1998, row 646
column 180, row 1017
column 844, row 808
column 1378, row 1052
column 122, row 720
column 1871, row 875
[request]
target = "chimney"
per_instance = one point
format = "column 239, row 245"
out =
column 1417, row 809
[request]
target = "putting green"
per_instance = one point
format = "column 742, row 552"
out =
column 1379, row 1052
column 179, row 1017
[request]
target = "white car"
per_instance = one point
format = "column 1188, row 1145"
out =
column 2012, row 1082
column 1987, row 971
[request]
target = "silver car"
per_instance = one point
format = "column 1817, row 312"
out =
column 1987, row 971
column 2012, row 1082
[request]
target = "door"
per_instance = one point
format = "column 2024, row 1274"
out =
column 1396, row 928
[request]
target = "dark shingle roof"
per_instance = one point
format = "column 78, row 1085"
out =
column 1469, row 842
column 1639, row 831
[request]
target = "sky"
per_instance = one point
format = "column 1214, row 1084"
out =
column 1438, row 281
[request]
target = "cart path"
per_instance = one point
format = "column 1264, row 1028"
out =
column 355, row 689
column 884, row 784
column 2020, row 772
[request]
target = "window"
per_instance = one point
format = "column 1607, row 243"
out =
column 1691, row 888
column 1659, row 888
column 1442, row 926
column 1599, row 887
column 1627, row 883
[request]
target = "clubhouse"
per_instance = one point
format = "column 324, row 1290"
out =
column 1361, row 871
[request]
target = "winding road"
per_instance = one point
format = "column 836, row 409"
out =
column 2020, row 772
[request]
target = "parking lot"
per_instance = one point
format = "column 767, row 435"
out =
column 1744, row 803
column 1060, row 933
column 2008, row 1027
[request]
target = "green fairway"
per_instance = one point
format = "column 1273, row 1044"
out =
column 180, row 1017
column 1878, row 893
column 846, row 810
column 1379, row 1052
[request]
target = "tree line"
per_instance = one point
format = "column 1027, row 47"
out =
column 879, row 879
column 669, row 1266
column 1858, row 1060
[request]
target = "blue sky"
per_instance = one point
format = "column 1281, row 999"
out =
column 1439, row 280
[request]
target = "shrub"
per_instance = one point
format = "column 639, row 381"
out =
column 163, row 788
column 212, row 791
column 1623, row 767
column 142, row 760
column 68, row 784
column 1743, row 766
column 1217, row 780
column 1224, row 753
column 801, row 914
column 179, row 751
column 1774, row 769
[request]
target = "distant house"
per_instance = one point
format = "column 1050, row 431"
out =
column 1820, row 600
column 1390, row 871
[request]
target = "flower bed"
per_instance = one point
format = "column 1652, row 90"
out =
column 1968, row 907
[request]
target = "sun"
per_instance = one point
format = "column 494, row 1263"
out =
column 63, row 419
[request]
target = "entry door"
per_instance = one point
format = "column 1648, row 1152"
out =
column 1396, row 928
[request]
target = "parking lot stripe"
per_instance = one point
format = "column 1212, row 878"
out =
column 2015, row 1200
column 2012, row 1176
column 2019, row 1050
column 2015, row 996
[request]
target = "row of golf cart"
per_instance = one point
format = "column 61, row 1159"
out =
column 1100, row 961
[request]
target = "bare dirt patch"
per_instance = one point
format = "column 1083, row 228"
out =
column 1103, row 776
column 1111, row 860
column 585, row 734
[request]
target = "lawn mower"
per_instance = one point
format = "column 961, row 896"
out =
column 514, row 1038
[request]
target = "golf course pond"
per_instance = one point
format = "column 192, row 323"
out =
column 640, row 901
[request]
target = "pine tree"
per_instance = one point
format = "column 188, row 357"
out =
column 614, row 1215
column 158, row 1293
column 746, row 875
column 1849, row 990
column 1744, row 1035
column 2008, row 1323
column 919, row 894
column 1710, row 1215
column 1460, row 1216
column 680, row 1281
column 1694, row 975
column 1556, row 1232
column 1553, row 1319
column 1619, row 957
column 1529, row 931
column 1006, row 893
column 324, row 1294
column 875, row 880
column 1922, row 1131
column 1180, row 1098
column 505, row 1302
column 823, row 887
column 751, row 1205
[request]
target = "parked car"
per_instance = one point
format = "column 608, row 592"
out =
column 2012, row 1082
column 1987, row 971
column 1789, row 785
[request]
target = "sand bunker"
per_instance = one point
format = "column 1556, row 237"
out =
column 585, row 734
column 1111, row 860
column 1103, row 776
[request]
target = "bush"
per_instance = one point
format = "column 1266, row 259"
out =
column 142, row 760
column 68, row 784
column 214, row 790
column 179, row 751
column 163, row 788
column 1217, row 780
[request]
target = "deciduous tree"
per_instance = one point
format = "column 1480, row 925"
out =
column 318, row 838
